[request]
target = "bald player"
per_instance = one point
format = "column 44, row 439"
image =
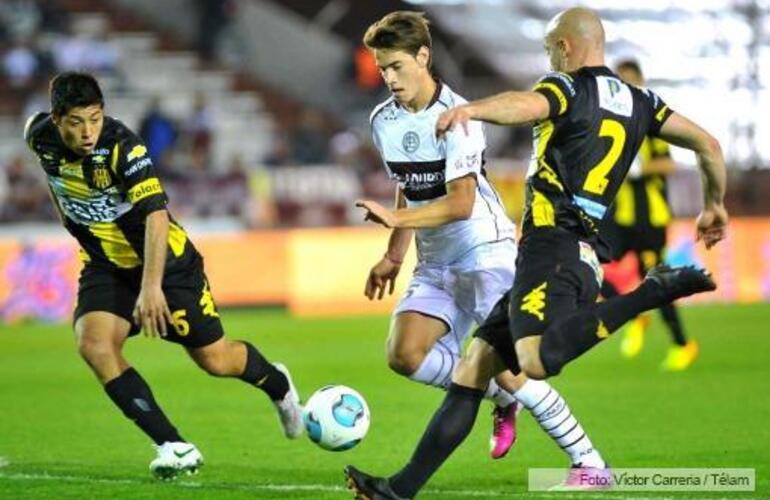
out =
column 588, row 127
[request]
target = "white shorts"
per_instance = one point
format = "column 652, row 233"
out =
column 462, row 293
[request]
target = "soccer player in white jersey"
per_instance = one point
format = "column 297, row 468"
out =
column 465, row 242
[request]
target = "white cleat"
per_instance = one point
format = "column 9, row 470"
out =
column 175, row 458
column 289, row 408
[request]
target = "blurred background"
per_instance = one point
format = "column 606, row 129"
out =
column 255, row 113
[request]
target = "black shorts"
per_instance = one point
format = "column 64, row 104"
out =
column 647, row 242
column 196, row 320
column 556, row 274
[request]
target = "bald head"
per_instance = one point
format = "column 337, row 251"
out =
column 575, row 38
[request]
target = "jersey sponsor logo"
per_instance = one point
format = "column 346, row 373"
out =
column 534, row 302
column 614, row 95
column 103, row 208
column 101, row 151
column 420, row 180
column 411, row 142
column 101, row 177
column 144, row 189
column 137, row 152
column 138, row 166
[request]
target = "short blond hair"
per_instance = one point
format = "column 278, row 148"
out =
column 400, row 30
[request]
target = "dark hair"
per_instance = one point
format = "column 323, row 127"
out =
column 629, row 65
column 72, row 89
column 401, row 30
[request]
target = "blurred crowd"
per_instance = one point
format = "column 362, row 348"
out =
column 38, row 39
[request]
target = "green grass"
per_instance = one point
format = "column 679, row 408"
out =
column 62, row 438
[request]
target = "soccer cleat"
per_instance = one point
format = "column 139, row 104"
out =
column 678, row 282
column 366, row 487
column 503, row 429
column 586, row 478
column 289, row 408
column 175, row 458
column 633, row 337
column 679, row 358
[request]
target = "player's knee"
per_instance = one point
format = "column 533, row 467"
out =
column 529, row 361
column 95, row 350
column 405, row 360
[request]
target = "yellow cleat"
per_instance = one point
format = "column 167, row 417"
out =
column 633, row 337
column 680, row 358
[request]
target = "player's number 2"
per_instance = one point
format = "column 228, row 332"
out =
column 597, row 181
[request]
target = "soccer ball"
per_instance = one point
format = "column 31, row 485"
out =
column 336, row 417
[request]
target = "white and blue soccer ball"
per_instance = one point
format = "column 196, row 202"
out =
column 336, row 417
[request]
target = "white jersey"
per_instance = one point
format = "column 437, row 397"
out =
column 423, row 164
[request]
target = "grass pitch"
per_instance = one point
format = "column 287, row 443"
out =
column 60, row 436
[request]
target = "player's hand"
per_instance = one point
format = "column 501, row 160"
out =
column 151, row 312
column 450, row 118
column 377, row 213
column 382, row 277
column 712, row 225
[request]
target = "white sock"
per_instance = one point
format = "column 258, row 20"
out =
column 554, row 416
column 500, row 396
column 437, row 367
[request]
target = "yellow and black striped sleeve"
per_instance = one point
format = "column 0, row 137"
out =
column 559, row 89
column 660, row 112
column 132, row 164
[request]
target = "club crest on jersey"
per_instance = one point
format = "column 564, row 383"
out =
column 101, row 177
column 411, row 142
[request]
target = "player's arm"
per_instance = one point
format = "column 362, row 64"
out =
column 144, row 191
column 400, row 238
column 382, row 276
column 456, row 205
column 508, row 108
column 682, row 132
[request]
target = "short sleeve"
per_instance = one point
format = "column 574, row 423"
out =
column 559, row 89
column 659, row 110
column 134, row 167
column 464, row 152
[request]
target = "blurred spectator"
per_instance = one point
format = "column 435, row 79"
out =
column 27, row 197
column 159, row 133
column 366, row 72
column 198, row 127
column 280, row 154
column 21, row 18
column 86, row 51
column 309, row 140
column 21, row 64
column 213, row 16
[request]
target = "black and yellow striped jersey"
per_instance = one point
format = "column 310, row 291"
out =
column 104, row 198
column 642, row 199
column 583, row 150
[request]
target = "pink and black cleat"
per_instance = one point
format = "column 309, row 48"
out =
column 586, row 478
column 503, row 429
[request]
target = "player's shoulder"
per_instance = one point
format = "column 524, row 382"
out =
column 115, row 131
column 37, row 126
column 569, row 82
column 384, row 111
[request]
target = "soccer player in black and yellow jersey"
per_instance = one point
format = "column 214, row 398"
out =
column 588, row 128
column 140, row 272
column 637, row 223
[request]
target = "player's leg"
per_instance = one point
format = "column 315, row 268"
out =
column 450, row 425
column 102, row 324
column 242, row 360
column 198, row 328
column 568, row 338
column 683, row 353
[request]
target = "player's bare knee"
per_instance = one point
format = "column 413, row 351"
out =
column 528, row 354
column 95, row 349
column 405, row 360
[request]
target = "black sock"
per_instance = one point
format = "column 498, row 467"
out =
column 671, row 317
column 449, row 427
column 608, row 290
column 263, row 374
column 567, row 338
column 133, row 396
